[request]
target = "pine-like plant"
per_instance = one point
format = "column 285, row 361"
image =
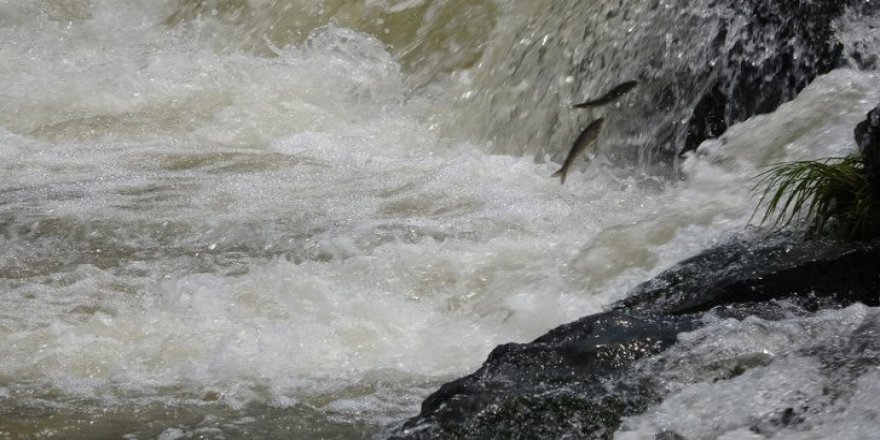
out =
column 829, row 196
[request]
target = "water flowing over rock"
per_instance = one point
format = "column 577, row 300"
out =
column 781, row 47
column 579, row 380
column 290, row 219
column 702, row 65
column 515, row 69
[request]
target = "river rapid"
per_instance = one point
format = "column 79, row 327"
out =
column 246, row 219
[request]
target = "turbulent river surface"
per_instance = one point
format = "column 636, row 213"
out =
column 238, row 219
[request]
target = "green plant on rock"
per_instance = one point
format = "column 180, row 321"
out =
column 830, row 196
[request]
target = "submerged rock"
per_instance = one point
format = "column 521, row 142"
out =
column 577, row 380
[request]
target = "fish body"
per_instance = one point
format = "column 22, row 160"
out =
column 609, row 97
column 584, row 141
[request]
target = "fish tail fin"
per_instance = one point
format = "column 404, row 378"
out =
column 561, row 174
column 587, row 104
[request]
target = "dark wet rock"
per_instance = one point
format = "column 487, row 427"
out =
column 669, row 435
column 783, row 47
column 817, row 274
column 867, row 135
column 569, row 383
column 577, row 380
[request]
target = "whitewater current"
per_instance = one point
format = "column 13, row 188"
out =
column 208, row 240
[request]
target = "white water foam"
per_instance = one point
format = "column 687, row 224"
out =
column 791, row 387
column 182, row 222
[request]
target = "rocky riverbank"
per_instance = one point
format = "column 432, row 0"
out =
column 579, row 380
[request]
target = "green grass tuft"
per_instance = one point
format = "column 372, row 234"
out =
column 830, row 196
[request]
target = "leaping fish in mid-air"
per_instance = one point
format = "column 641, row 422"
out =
column 584, row 141
column 609, row 97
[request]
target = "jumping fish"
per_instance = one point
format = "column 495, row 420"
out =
column 611, row 96
column 584, row 141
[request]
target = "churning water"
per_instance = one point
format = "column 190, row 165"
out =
column 253, row 218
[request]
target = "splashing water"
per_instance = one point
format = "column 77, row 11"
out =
column 215, row 227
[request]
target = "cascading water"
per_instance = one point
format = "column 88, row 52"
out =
column 242, row 218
